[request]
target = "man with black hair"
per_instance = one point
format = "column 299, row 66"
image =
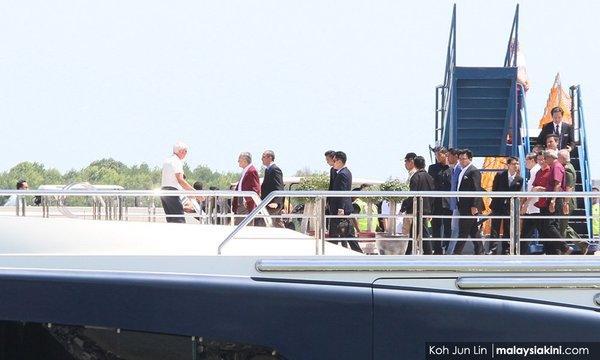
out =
column 330, row 158
column 564, row 131
column 442, row 179
column 508, row 180
column 273, row 181
column 341, row 227
column 453, row 154
column 552, row 142
column 422, row 181
column 409, row 165
column 12, row 200
column 468, row 180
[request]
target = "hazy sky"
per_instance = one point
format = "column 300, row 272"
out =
column 85, row 80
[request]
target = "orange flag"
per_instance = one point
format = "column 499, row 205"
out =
column 557, row 97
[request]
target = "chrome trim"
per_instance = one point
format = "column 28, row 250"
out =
column 432, row 263
column 597, row 299
column 528, row 283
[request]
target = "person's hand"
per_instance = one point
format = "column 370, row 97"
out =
column 272, row 206
column 566, row 208
column 474, row 211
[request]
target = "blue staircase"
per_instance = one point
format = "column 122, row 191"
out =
column 579, row 159
column 476, row 107
column 483, row 109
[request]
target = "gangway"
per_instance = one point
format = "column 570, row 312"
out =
column 484, row 109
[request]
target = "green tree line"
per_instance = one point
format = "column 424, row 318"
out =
column 110, row 172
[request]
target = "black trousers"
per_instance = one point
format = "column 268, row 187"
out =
column 467, row 228
column 528, row 228
column 172, row 206
column 429, row 247
column 496, row 225
column 551, row 230
column 436, row 228
column 343, row 228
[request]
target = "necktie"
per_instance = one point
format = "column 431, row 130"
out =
column 556, row 129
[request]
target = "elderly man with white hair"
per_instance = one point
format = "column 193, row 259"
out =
column 173, row 179
column 554, row 206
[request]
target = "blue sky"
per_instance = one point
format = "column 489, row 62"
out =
column 85, row 80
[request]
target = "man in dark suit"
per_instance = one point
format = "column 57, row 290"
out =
column 469, row 179
column 249, row 181
column 330, row 159
column 566, row 136
column 508, row 180
column 273, row 181
column 442, row 179
column 422, row 181
column 342, row 227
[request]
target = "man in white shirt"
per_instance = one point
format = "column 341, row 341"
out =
column 173, row 179
column 529, row 226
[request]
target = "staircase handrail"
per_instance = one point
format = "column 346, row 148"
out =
column 513, row 42
column 448, row 78
column 524, row 129
column 582, row 148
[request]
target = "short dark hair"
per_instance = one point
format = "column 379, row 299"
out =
column 557, row 109
column 467, row 152
column 198, row 185
column 21, row 183
column 512, row 159
column 330, row 153
column 410, row 156
column 454, row 151
column 340, row 155
column 419, row 162
column 552, row 136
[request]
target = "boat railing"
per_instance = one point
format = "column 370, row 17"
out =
column 104, row 203
column 313, row 220
column 319, row 199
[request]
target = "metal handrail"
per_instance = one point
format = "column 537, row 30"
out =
column 447, row 87
column 321, row 196
column 132, row 193
column 511, row 51
column 524, row 129
column 417, row 217
column 582, row 149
